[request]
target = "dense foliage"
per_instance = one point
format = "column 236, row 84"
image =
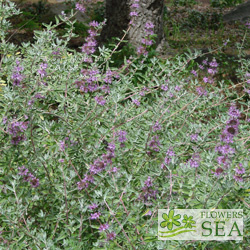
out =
column 90, row 151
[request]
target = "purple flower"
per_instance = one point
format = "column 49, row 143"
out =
column 205, row 79
column 201, row 91
column 218, row 171
column 164, row 87
column 194, row 73
column 194, row 162
column 238, row 178
column 167, row 161
column 104, row 227
column 148, row 182
column 156, row 126
column 142, row 50
column 230, row 130
column 5, row 119
column 204, row 62
column 61, row 160
column 149, row 25
column 34, row 182
column 39, row 96
column 98, row 166
column 135, row 5
column 100, row 100
column 111, row 147
column 17, row 77
column 149, row 213
column 240, row 170
column 234, row 112
column 16, row 139
column 122, row 136
column 23, row 171
column 211, row 71
column 225, row 149
column 136, row 102
column 223, row 160
column 177, row 88
column 194, row 137
column 233, row 122
column 80, row 7
column 28, row 177
column 170, row 152
column 105, row 89
column 95, row 216
column 42, row 70
column 83, row 184
column 213, row 64
column 111, row 236
column 94, row 24
column 133, row 13
column 155, row 143
column 62, row 145
column 93, row 206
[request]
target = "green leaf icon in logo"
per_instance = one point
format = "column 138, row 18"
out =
column 188, row 221
column 170, row 219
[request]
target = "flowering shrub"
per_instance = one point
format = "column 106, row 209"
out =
column 90, row 151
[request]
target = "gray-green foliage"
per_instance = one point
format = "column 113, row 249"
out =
column 55, row 215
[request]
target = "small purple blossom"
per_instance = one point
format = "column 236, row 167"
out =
column 122, row 136
column 177, row 88
column 95, row 216
column 104, row 227
column 133, row 13
column 28, row 177
column 234, row 112
column 223, row 160
column 164, row 87
column 170, row 152
column 218, row 171
column 240, row 170
column 194, row 162
column 62, row 145
column 17, row 77
column 205, row 62
column 136, row 102
column 225, row 149
column 157, row 126
column 201, row 91
column 93, row 206
column 194, row 137
column 194, row 73
column 149, row 213
column 80, row 7
column 100, row 100
column 238, row 178
column 212, row 71
column 135, row 5
column 154, row 143
column 83, row 184
column 111, row 236
column 213, row 64
column 34, row 182
column 148, row 182
column 23, row 171
column 42, row 70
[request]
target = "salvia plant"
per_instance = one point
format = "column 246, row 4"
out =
column 90, row 151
